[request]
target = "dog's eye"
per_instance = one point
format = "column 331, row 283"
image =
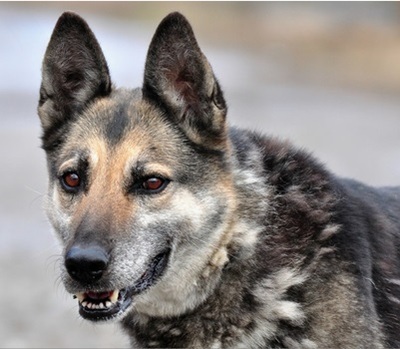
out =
column 70, row 181
column 154, row 184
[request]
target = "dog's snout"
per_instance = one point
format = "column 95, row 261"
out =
column 86, row 264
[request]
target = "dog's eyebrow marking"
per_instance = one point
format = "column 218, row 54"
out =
column 74, row 159
column 145, row 168
column 71, row 163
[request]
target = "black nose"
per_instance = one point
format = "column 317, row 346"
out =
column 86, row 264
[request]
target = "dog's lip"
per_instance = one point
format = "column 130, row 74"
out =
column 108, row 304
column 102, row 306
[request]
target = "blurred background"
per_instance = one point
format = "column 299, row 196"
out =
column 325, row 75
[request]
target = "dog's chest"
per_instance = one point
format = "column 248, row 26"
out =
column 196, row 330
column 234, row 319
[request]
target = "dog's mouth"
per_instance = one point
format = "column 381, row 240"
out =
column 106, row 305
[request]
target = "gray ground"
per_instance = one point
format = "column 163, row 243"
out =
column 349, row 120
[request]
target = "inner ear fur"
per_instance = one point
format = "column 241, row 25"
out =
column 74, row 72
column 179, row 78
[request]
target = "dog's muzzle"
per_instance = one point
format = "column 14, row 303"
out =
column 89, row 266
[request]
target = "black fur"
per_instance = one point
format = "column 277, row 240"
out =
column 75, row 72
column 117, row 125
column 175, row 64
column 302, row 259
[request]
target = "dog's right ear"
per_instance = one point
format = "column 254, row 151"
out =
column 179, row 78
column 74, row 73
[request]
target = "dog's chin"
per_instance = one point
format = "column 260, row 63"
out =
column 113, row 304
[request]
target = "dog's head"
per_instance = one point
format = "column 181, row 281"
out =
column 140, row 185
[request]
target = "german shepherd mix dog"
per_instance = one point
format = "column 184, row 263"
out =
column 195, row 234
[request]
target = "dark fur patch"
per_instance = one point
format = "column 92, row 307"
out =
column 117, row 126
column 179, row 79
column 296, row 258
column 74, row 72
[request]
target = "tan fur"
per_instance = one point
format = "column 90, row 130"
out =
column 243, row 242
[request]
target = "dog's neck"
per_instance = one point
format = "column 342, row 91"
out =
column 234, row 243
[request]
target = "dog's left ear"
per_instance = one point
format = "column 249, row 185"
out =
column 74, row 73
column 179, row 79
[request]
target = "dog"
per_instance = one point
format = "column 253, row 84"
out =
column 192, row 233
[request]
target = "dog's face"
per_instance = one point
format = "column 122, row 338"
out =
column 140, row 188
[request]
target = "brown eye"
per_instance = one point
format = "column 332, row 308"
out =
column 71, row 181
column 149, row 185
column 153, row 184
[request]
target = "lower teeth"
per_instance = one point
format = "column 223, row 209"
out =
column 95, row 306
column 102, row 305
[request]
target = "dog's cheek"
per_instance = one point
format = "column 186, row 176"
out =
column 188, row 213
column 196, row 216
column 59, row 214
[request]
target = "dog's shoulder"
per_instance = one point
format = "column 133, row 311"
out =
column 345, row 231
column 297, row 186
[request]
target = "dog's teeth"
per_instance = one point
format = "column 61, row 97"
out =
column 114, row 296
column 101, row 305
column 80, row 296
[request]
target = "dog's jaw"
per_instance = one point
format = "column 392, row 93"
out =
column 186, row 287
column 103, row 306
column 113, row 304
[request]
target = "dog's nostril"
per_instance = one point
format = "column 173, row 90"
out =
column 86, row 264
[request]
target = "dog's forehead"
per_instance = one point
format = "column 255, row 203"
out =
column 124, row 114
column 122, row 126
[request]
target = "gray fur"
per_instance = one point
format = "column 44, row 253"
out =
column 266, row 248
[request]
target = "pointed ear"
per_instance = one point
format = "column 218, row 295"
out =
column 179, row 79
column 74, row 72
